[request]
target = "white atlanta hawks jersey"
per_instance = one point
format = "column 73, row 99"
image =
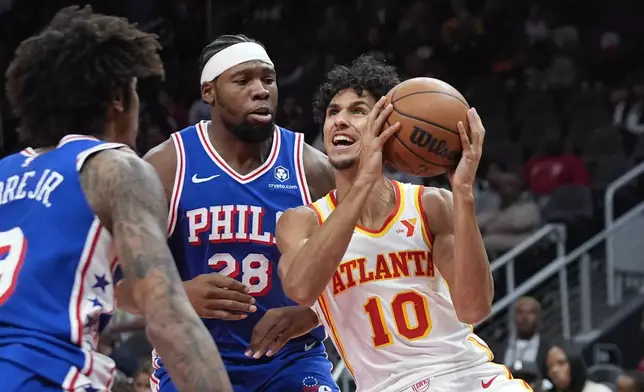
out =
column 388, row 310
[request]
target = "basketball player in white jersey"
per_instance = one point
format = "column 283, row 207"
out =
column 397, row 272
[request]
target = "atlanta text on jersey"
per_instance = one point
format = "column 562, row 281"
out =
column 30, row 185
column 230, row 223
column 393, row 265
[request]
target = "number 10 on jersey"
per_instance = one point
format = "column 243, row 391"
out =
column 256, row 270
column 401, row 306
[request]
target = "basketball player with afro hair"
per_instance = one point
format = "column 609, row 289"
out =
column 365, row 76
column 82, row 204
column 396, row 272
column 228, row 180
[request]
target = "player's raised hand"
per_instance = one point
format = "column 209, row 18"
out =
column 277, row 327
column 219, row 297
column 465, row 172
column 373, row 139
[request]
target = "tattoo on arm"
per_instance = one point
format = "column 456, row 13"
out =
column 128, row 197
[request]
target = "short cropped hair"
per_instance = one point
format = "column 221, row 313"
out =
column 365, row 74
column 63, row 80
column 221, row 43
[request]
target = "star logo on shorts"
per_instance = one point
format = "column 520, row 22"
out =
column 311, row 384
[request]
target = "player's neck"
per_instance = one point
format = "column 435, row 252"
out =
column 241, row 156
column 381, row 201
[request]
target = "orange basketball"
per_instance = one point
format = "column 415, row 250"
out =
column 428, row 143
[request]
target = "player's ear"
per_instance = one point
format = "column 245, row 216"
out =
column 208, row 93
column 117, row 106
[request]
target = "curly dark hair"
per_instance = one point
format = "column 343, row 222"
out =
column 221, row 43
column 63, row 80
column 365, row 74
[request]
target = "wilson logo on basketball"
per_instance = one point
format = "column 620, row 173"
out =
column 424, row 139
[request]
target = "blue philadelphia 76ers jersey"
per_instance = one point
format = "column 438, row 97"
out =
column 224, row 222
column 56, row 267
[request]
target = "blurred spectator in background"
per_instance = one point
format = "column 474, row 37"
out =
column 131, row 344
column 517, row 217
column 536, row 27
column 632, row 381
column 122, row 383
column 292, row 115
column 199, row 110
column 106, row 344
column 629, row 108
column 462, row 30
column 141, row 379
column 393, row 174
column 526, row 349
column 565, row 370
column 553, row 168
column 486, row 195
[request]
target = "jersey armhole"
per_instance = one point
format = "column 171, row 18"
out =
column 81, row 158
column 318, row 212
column 428, row 237
column 300, row 173
column 179, row 178
column 318, row 312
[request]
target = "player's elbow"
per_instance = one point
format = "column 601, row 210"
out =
column 474, row 314
column 292, row 285
column 298, row 293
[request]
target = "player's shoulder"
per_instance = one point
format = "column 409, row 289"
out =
column 427, row 194
column 437, row 206
column 115, row 163
column 305, row 214
column 163, row 159
column 162, row 151
column 318, row 170
column 109, row 169
column 12, row 158
column 113, row 176
column 435, row 194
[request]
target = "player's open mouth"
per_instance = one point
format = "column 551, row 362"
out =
column 343, row 141
column 262, row 115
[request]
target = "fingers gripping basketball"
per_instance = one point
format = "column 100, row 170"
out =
column 428, row 143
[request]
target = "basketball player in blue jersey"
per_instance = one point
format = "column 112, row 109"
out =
column 81, row 206
column 228, row 181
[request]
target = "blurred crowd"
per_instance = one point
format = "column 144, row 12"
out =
column 559, row 365
column 559, row 85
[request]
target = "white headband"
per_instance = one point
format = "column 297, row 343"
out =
column 231, row 56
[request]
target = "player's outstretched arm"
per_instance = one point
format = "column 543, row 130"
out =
column 311, row 256
column 312, row 253
column 127, row 196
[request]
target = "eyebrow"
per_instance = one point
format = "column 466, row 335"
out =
column 351, row 105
